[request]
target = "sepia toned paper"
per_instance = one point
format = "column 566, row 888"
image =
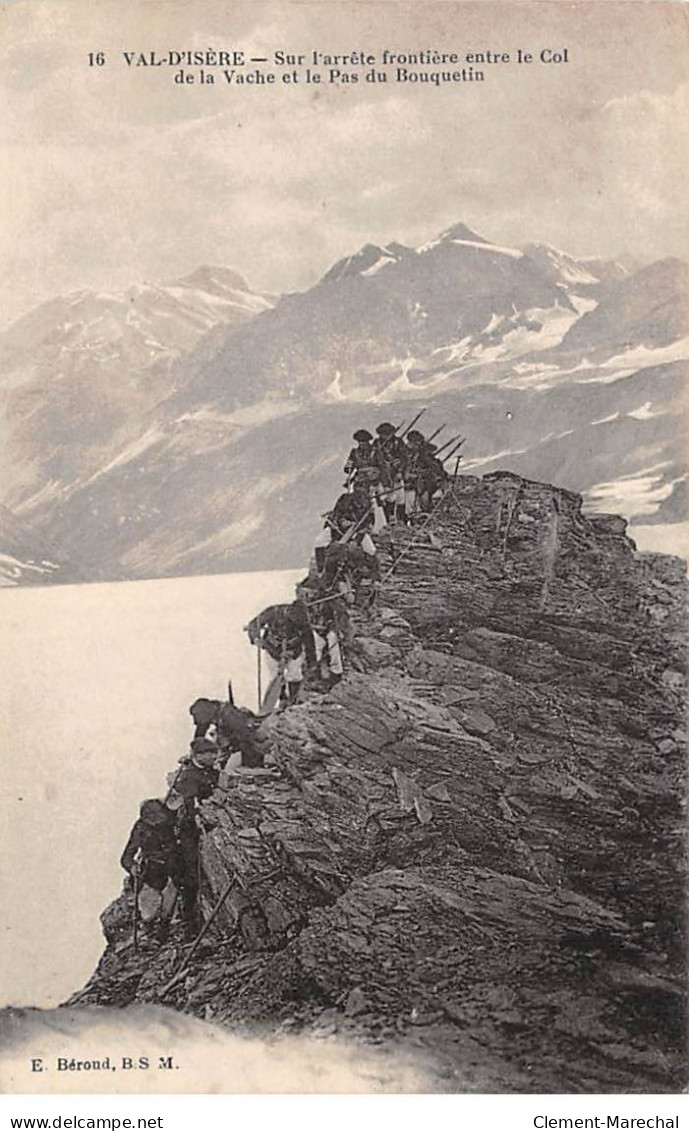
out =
column 177, row 176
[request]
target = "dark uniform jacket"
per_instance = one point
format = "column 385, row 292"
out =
column 196, row 782
column 159, row 852
column 350, row 510
column 360, row 458
column 284, row 630
column 240, row 728
column 390, row 456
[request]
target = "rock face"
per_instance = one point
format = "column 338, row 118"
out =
column 475, row 840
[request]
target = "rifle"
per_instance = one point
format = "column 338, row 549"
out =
column 324, row 600
column 410, row 426
column 436, row 433
column 453, row 451
column 447, row 444
column 356, row 526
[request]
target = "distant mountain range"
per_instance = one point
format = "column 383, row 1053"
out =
column 195, row 426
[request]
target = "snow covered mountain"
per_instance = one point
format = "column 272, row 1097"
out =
column 78, row 371
column 215, row 455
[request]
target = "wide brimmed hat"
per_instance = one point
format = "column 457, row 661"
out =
column 415, row 435
column 386, row 429
column 362, row 436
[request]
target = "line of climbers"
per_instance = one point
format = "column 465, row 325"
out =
column 162, row 852
column 395, row 478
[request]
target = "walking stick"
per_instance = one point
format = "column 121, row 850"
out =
column 137, row 889
column 236, row 879
column 197, row 941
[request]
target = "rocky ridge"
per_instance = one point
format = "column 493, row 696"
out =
column 474, row 844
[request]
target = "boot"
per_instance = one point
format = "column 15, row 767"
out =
column 293, row 692
column 401, row 512
column 389, row 509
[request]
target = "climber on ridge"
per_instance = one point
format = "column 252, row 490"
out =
column 234, row 729
column 193, row 784
column 361, row 458
column 390, row 454
column 330, row 627
column 285, row 633
column 153, row 860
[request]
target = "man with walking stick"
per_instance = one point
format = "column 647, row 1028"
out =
column 152, row 859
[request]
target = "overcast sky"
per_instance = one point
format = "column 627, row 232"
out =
column 115, row 176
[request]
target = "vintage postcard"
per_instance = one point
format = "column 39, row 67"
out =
column 343, row 532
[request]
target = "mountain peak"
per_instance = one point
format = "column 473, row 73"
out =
column 212, row 278
column 367, row 261
column 461, row 231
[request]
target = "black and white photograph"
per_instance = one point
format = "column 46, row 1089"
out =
column 343, row 539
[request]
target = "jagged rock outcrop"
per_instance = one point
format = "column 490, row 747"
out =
column 474, row 842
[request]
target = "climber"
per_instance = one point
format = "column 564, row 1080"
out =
column 352, row 509
column 390, row 457
column 416, row 443
column 432, row 476
column 285, row 633
column 334, row 578
column 152, row 858
column 352, row 570
column 364, row 571
column 361, row 457
column 330, row 622
column 195, row 783
column 239, row 731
